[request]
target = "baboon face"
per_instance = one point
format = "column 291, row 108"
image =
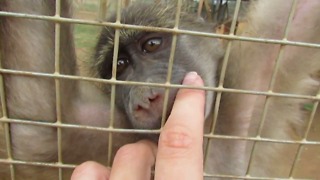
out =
column 144, row 56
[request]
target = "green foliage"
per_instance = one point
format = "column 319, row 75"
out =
column 308, row 107
column 91, row 7
column 85, row 36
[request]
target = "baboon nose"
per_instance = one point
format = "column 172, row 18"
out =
column 150, row 101
column 153, row 98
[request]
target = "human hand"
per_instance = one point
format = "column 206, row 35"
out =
column 179, row 154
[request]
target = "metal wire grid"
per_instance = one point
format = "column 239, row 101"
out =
column 175, row 31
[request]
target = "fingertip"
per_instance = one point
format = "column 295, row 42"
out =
column 192, row 94
column 153, row 147
column 192, row 78
column 90, row 170
column 134, row 161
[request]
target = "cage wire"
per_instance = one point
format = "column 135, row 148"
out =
column 213, row 13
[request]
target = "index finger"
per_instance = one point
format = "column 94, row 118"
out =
column 180, row 154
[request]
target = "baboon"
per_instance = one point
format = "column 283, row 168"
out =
column 28, row 45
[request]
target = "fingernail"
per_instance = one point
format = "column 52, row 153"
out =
column 190, row 78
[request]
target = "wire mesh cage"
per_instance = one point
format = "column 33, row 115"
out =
column 66, row 147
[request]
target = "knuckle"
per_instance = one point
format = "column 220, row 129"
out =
column 177, row 138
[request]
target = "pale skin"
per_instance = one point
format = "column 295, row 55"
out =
column 179, row 147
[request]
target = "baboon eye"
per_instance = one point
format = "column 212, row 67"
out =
column 151, row 45
column 122, row 64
